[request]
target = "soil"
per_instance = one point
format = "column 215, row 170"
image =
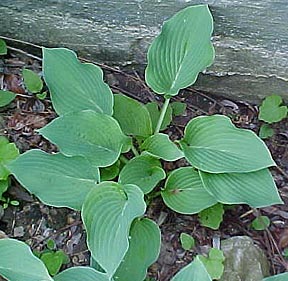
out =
column 36, row 223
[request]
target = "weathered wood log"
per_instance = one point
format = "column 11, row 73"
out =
column 251, row 36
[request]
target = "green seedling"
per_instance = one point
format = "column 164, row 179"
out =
column 212, row 217
column 95, row 129
column 187, row 241
column 260, row 223
column 3, row 47
column 214, row 263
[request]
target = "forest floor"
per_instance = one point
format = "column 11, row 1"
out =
column 36, row 223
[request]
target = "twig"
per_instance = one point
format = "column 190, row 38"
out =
column 282, row 172
column 24, row 53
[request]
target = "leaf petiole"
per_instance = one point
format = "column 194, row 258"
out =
column 162, row 115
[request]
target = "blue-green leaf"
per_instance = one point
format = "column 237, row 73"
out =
column 144, row 248
column 194, row 271
column 256, row 189
column 144, row 171
column 185, row 193
column 107, row 213
column 75, row 86
column 18, row 263
column 81, row 273
column 56, row 179
column 133, row 117
column 90, row 134
column 160, row 146
column 213, row 144
column 181, row 51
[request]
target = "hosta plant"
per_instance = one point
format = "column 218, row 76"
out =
column 96, row 133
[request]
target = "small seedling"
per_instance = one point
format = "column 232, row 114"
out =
column 266, row 131
column 214, row 263
column 7, row 201
column 3, row 47
column 272, row 110
column 6, row 97
column 260, row 223
column 212, row 217
column 187, row 241
column 52, row 258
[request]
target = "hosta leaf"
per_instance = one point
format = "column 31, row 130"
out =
column 278, row 277
column 213, row 144
column 143, row 171
column 194, row 271
column 133, row 117
column 256, row 189
column 214, row 263
column 107, row 213
column 212, row 216
column 144, row 248
column 93, row 135
column 181, row 51
column 81, row 273
column 32, row 81
column 159, row 145
column 18, row 263
column 75, row 86
column 154, row 112
column 185, row 193
column 271, row 110
column 6, row 97
column 111, row 172
column 3, row 47
column 8, row 152
column 56, row 179
column 3, row 186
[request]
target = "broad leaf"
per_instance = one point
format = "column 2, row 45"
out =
column 56, row 179
column 3, row 47
column 160, row 146
column 143, row 171
column 181, row 51
column 271, row 110
column 185, row 193
column 93, row 135
column 194, row 271
column 256, row 189
column 8, row 152
column 18, row 263
column 107, row 213
column 278, row 277
column 6, row 97
column 154, row 113
column 212, row 216
column 213, row 144
column 32, row 81
column 214, row 263
column 75, row 86
column 144, row 248
column 81, row 273
column 133, row 117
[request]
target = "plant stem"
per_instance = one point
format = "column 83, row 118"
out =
column 123, row 159
column 134, row 150
column 162, row 115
